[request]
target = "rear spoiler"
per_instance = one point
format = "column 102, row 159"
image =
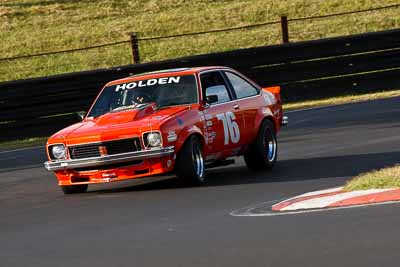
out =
column 276, row 91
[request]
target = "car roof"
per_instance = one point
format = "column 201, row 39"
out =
column 164, row 73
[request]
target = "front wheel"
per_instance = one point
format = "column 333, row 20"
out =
column 190, row 163
column 74, row 189
column 262, row 154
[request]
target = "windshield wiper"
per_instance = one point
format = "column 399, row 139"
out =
column 133, row 106
column 125, row 107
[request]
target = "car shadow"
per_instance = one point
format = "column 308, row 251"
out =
column 284, row 171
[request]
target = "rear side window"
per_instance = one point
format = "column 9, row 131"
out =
column 213, row 83
column 241, row 87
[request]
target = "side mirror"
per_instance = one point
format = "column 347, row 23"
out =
column 81, row 114
column 211, row 99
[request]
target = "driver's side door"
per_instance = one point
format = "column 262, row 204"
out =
column 223, row 119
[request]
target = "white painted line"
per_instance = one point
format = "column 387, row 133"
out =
column 248, row 213
column 21, row 149
column 322, row 202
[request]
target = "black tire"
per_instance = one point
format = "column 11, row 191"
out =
column 263, row 153
column 190, row 168
column 74, row 189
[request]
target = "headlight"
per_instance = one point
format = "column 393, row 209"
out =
column 58, row 151
column 153, row 139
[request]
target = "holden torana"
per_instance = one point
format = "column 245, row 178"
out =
column 178, row 121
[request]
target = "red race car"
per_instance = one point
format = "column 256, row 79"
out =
column 178, row 121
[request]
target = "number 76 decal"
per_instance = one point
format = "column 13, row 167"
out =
column 231, row 128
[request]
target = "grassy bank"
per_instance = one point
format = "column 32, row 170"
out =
column 35, row 26
column 23, row 143
column 383, row 178
column 340, row 100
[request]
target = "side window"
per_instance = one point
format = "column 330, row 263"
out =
column 241, row 87
column 213, row 83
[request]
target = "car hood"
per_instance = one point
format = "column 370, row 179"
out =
column 118, row 125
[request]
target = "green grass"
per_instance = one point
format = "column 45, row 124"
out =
column 35, row 26
column 340, row 100
column 383, row 178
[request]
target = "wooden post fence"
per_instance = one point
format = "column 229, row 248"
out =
column 135, row 48
column 285, row 30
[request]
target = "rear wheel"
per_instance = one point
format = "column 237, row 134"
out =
column 74, row 189
column 190, row 163
column 262, row 154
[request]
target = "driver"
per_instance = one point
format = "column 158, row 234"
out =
column 140, row 97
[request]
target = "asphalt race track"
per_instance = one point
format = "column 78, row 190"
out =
column 163, row 224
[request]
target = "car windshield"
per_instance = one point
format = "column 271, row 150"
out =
column 165, row 91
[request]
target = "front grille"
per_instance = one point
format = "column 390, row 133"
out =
column 122, row 146
column 112, row 147
column 84, row 151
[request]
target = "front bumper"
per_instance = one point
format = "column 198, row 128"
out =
column 109, row 159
